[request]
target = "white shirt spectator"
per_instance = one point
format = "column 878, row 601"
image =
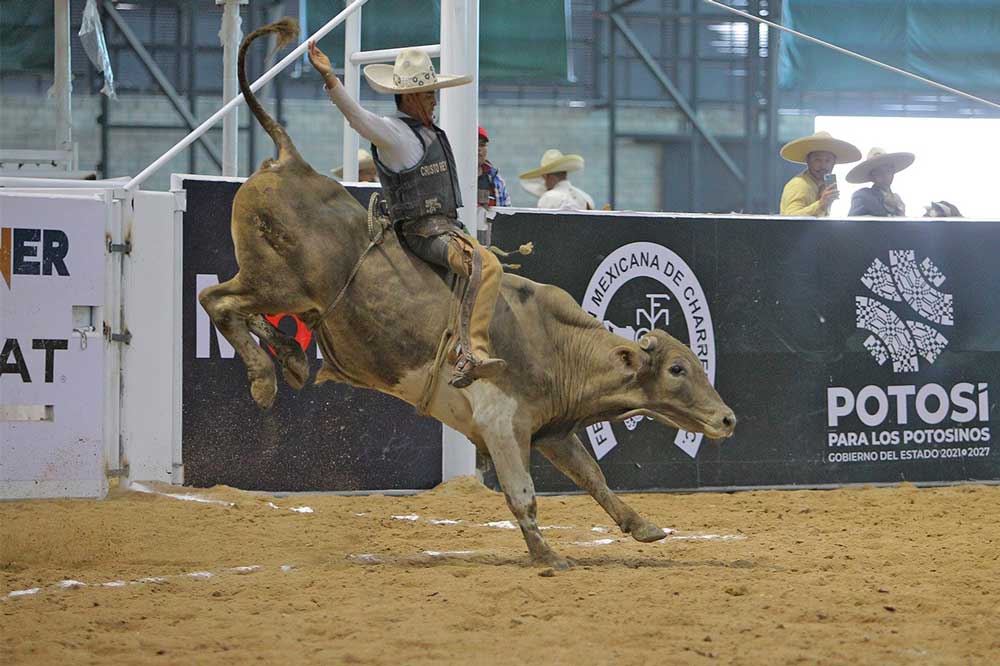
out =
column 564, row 196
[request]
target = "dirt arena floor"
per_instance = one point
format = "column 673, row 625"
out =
column 868, row 575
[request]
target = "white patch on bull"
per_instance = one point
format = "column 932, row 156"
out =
column 493, row 411
column 448, row 405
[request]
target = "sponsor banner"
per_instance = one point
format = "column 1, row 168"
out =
column 329, row 437
column 851, row 351
column 52, row 285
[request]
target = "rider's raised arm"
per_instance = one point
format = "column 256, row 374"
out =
column 380, row 131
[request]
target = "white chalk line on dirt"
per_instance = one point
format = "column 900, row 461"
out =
column 371, row 558
column 188, row 497
column 498, row 524
column 71, row 584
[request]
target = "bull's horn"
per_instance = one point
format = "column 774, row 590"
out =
column 648, row 343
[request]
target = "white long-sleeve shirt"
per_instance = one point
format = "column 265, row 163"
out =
column 398, row 147
column 566, row 197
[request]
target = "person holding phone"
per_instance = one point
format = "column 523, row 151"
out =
column 812, row 192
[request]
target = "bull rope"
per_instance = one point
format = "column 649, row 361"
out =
column 430, row 384
column 376, row 233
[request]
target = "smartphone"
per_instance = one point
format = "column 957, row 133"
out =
column 830, row 180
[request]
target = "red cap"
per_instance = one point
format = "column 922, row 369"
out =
column 483, row 135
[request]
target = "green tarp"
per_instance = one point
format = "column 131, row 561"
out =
column 954, row 42
column 518, row 39
column 27, row 35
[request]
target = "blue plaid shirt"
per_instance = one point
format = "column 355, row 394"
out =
column 498, row 188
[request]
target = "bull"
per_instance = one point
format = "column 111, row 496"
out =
column 303, row 246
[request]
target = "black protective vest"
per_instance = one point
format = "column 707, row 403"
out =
column 428, row 188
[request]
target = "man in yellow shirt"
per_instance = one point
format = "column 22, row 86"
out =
column 806, row 194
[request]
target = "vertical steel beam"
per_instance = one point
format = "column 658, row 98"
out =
column 63, row 78
column 612, row 111
column 192, row 71
column 675, row 94
column 769, row 159
column 158, row 76
column 695, row 174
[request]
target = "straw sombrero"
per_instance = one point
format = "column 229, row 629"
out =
column 365, row 161
column 877, row 157
column 553, row 161
column 412, row 72
column 799, row 149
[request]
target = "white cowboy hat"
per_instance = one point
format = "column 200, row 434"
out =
column 553, row 161
column 799, row 149
column 412, row 72
column 365, row 161
column 877, row 157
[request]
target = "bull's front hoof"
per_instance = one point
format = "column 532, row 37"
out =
column 263, row 392
column 647, row 532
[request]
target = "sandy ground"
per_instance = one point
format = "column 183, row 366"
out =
column 878, row 576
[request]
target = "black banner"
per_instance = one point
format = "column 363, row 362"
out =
column 851, row 351
column 330, row 437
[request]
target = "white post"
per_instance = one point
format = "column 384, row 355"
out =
column 230, row 35
column 352, row 83
column 63, row 82
column 460, row 120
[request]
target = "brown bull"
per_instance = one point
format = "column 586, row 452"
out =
column 299, row 236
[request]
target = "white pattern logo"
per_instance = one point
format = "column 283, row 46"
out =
column 893, row 337
column 680, row 289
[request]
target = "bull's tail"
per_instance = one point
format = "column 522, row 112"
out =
column 286, row 30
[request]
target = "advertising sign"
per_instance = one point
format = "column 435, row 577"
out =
column 329, row 437
column 853, row 351
column 52, row 282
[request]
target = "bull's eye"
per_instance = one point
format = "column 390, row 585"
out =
column 677, row 370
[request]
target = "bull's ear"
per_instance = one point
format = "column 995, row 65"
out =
column 628, row 359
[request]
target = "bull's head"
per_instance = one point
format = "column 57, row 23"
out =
column 665, row 381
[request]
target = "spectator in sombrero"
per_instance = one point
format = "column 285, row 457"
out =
column 806, row 194
column 366, row 168
column 551, row 184
column 879, row 169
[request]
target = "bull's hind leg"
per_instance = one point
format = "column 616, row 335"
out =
column 570, row 458
column 294, row 366
column 229, row 305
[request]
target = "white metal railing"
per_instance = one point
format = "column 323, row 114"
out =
column 264, row 79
